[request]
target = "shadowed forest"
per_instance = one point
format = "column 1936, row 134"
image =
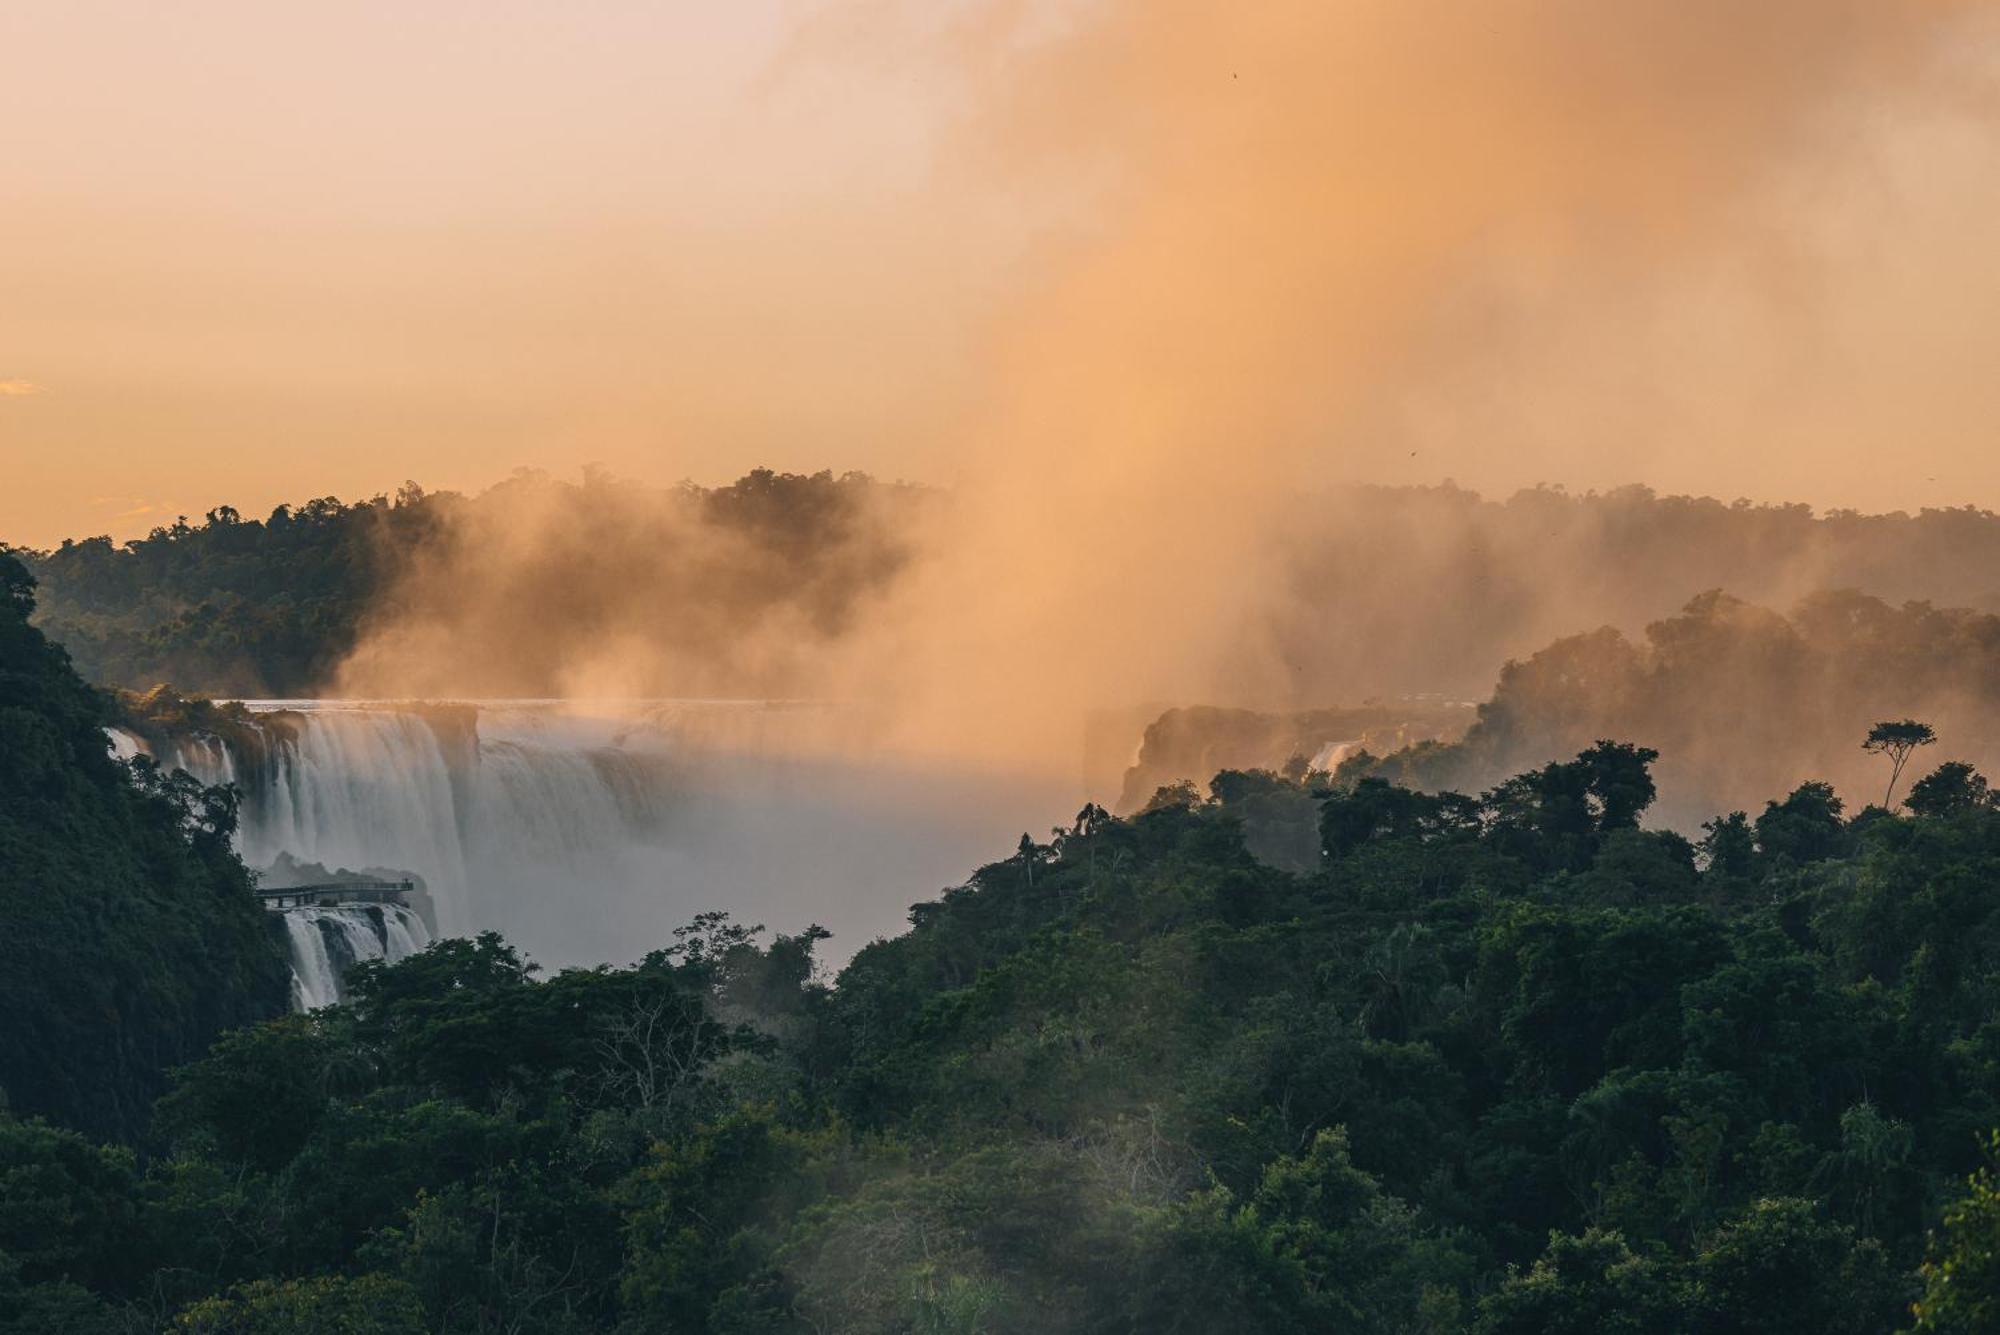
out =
column 1505, row 1062
column 1739, row 699
column 1410, row 1013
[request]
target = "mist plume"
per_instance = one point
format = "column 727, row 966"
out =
column 1742, row 702
column 1290, row 229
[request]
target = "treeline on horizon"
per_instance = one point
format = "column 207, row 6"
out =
column 243, row 607
column 1813, row 623
column 1740, row 700
column 1382, row 591
column 1392, row 590
column 1503, row 1064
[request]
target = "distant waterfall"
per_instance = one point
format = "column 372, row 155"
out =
column 587, row 833
column 435, row 794
column 326, row 941
column 355, row 788
column 506, row 813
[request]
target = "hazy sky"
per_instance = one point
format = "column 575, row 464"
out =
column 261, row 250
column 257, row 250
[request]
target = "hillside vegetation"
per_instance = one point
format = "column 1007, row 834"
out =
column 1505, row 1063
column 1740, row 700
column 129, row 936
column 1370, row 592
column 236, row 606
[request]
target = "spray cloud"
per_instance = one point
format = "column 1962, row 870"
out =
column 1304, row 244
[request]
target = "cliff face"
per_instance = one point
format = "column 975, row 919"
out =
column 129, row 934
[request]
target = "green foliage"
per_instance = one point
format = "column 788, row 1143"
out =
column 1588, row 1285
column 1781, row 1269
column 1738, row 698
column 1495, row 1064
column 129, row 934
column 262, row 1091
column 272, row 607
column 1897, row 740
column 331, row 1305
column 231, row 606
column 1805, row 827
column 68, row 1209
column 1961, row 1276
column 1950, row 788
column 1318, row 1245
column 1280, row 814
column 1729, row 847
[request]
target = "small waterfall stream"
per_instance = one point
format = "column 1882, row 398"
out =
column 326, row 941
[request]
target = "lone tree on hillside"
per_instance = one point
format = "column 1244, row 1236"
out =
column 1896, row 741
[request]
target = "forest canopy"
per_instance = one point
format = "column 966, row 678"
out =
column 1498, row 1062
column 1382, row 591
column 237, row 606
column 129, row 934
column 1740, row 700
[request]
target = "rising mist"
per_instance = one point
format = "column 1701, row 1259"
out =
column 1305, row 246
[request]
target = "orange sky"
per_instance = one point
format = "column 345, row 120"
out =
column 256, row 250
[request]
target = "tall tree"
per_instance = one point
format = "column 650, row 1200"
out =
column 1896, row 740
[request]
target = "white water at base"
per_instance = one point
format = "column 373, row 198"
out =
column 326, row 941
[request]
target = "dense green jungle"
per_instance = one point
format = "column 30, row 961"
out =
column 999, row 667
column 1504, row 1062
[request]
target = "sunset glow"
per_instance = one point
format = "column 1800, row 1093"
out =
column 252, row 252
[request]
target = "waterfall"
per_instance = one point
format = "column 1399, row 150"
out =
column 325, row 941
column 521, row 802
column 356, row 788
column 123, row 744
column 587, row 833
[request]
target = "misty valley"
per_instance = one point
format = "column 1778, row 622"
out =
column 1650, row 988
column 999, row 667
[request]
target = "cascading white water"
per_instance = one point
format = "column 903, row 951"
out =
column 589, row 834
column 355, row 788
column 326, row 941
column 124, row 745
column 529, row 803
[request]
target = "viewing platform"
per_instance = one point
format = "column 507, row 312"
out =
column 336, row 892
